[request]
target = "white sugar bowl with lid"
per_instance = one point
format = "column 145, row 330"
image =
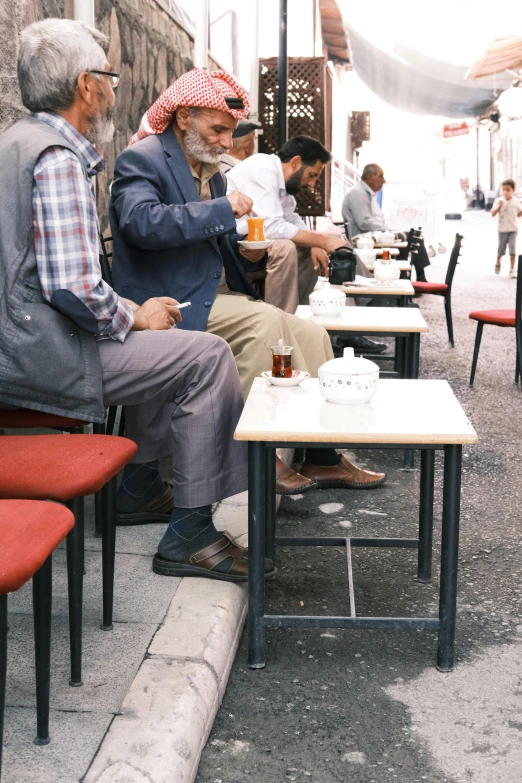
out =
column 327, row 301
column 351, row 380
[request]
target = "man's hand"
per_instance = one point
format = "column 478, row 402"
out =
column 241, row 204
column 331, row 243
column 156, row 314
column 320, row 260
column 251, row 255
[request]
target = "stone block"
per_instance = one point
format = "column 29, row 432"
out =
column 204, row 622
column 75, row 737
column 165, row 721
column 111, row 660
column 114, row 52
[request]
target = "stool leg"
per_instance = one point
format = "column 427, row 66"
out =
column 42, row 605
column 478, row 338
column 427, row 481
column 3, row 668
column 108, row 551
column 75, row 556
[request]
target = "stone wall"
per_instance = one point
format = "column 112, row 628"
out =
column 148, row 48
column 14, row 16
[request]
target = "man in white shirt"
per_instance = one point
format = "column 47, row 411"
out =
column 362, row 213
column 272, row 182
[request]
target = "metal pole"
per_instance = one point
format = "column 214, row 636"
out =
column 256, row 554
column 477, row 201
column 282, row 75
column 449, row 557
column 201, row 37
column 254, row 67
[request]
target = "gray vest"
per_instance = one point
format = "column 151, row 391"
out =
column 47, row 362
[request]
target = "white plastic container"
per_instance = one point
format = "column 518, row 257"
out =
column 351, row 380
column 385, row 272
column 327, row 301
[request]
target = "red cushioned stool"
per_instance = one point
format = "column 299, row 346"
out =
column 66, row 468
column 30, row 531
column 503, row 318
column 444, row 289
column 24, row 419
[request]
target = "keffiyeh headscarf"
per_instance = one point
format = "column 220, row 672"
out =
column 197, row 88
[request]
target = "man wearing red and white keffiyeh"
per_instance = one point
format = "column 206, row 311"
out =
column 174, row 233
column 199, row 89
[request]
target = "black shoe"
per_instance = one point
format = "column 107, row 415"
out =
column 360, row 344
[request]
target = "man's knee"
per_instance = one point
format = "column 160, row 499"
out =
column 282, row 251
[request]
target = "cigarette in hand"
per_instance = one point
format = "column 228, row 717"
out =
column 184, row 304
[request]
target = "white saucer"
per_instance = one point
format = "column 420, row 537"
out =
column 297, row 378
column 255, row 245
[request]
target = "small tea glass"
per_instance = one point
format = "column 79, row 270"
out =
column 282, row 361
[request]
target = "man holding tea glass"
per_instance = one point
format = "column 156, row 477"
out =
column 174, row 230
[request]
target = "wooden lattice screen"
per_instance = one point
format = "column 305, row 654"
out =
column 309, row 113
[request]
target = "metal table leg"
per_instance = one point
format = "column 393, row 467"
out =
column 270, row 500
column 411, row 371
column 256, row 554
column 427, row 482
column 449, row 557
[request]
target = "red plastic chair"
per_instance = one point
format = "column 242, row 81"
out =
column 444, row 289
column 503, row 318
column 30, row 531
column 66, row 468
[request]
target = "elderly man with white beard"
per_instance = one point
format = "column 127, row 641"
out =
column 174, row 230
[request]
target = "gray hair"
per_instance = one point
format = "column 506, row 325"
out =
column 370, row 170
column 52, row 55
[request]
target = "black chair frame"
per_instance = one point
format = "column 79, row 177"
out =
column 518, row 333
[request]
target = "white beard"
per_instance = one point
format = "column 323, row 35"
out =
column 197, row 149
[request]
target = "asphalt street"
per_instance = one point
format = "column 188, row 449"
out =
column 369, row 706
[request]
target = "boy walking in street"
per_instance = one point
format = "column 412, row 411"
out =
column 509, row 209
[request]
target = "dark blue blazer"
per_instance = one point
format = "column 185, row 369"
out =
column 166, row 241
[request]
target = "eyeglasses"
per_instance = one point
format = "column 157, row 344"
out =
column 115, row 77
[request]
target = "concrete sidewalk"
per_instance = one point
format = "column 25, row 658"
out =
column 152, row 686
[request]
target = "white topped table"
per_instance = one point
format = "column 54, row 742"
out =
column 373, row 319
column 396, row 417
column 400, row 290
column 403, row 322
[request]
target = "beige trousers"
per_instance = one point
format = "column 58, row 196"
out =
column 290, row 275
column 251, row 328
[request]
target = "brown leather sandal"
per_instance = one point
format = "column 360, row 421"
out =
column 203, row 562
column 156, row 510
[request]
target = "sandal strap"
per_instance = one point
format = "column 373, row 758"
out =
column 216, row 553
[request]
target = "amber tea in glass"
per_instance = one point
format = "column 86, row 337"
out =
column 256, row 229
column 282, row 361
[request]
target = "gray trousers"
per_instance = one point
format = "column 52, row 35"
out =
column 182, row 398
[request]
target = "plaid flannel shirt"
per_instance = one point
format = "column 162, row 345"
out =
column 66, row 229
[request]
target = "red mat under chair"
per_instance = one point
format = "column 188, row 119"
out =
column 66, row 468
column 30, row 531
